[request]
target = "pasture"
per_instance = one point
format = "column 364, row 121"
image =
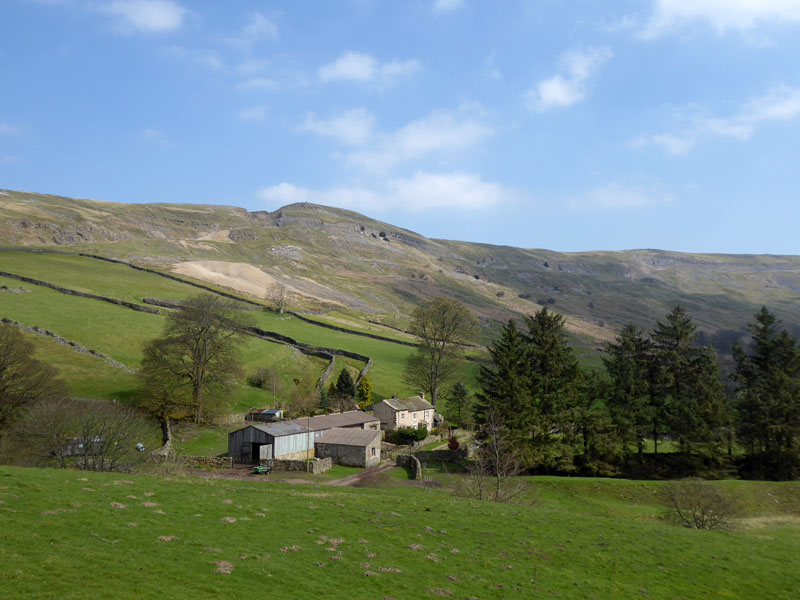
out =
column 69, row 534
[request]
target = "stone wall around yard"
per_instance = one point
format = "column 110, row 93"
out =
column 315, row 466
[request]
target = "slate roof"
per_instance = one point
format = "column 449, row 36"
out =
column 348, row 437
column 413, row 403
column 351, row 418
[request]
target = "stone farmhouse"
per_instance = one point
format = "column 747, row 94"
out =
column 396, row 413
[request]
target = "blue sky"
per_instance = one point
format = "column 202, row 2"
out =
column 568, row 125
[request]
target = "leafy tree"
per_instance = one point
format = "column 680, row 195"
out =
column 442, row 327
column 198, row 353
column 364, row 392
column 458, row 403
column 161, row 394
column 628, row 364
column 23, row 379
column 768, row 399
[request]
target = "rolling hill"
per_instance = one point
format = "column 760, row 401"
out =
column 355, row 269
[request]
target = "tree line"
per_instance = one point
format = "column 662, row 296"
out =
column 660, row 386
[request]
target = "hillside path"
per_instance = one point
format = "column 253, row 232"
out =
column 352, row 479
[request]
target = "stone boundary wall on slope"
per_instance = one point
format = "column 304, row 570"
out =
column 46, row 332
column 374, row 336
column 174, row 304
column 63, row 290
column 410, row 462
column 326, row 373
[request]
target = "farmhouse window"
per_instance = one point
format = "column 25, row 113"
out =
column 373, row 451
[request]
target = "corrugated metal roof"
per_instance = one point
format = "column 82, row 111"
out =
column 348, row 437
column 281, row 429
column 345, row 419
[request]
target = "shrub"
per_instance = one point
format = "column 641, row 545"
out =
column 412, row 435
column 453, row 444
column 698, row 504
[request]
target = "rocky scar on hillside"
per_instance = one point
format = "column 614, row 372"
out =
column 333, row 259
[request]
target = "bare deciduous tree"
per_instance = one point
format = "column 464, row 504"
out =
column 92, row 435
column 23, row 379
column 492, row 475
column 442, row 326
column 699, row 504
column 277, row 296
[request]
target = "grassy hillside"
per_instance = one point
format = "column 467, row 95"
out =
column 120, row 332
column 341, row 261
column 71, row 535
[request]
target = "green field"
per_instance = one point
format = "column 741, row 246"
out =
column 68, row 534
column 120, row 332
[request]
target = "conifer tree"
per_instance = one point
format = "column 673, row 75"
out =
column 628, row 364
column 458, row 402
column 768, row 399
column 504, row 382
column 687, row 395
column 345, row 387
column 554, row 377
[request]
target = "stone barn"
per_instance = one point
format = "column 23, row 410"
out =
column 350, row 447
column 279, row 441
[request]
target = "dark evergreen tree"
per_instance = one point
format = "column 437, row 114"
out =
column 553, row 385
column 628, row 364
column 458, row 401
column 687, row 396
column 601, row 447
column 504, row 382
column 345, row 387
column 768, row 399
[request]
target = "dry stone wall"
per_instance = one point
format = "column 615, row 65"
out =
column 314, row 466
column 64, row 290
column 66, row 342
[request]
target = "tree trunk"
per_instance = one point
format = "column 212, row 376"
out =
column 166, row 432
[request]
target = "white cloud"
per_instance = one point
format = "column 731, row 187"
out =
column 722, row 15
column 418, row 193
column 254, row 113
column 695, row 125
column 352, row 127
column 447, row 5
column 566, row 89
column 363, row 68
column 146, row 16
column 616, row 195
column 259, row 28
column 441, row 131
